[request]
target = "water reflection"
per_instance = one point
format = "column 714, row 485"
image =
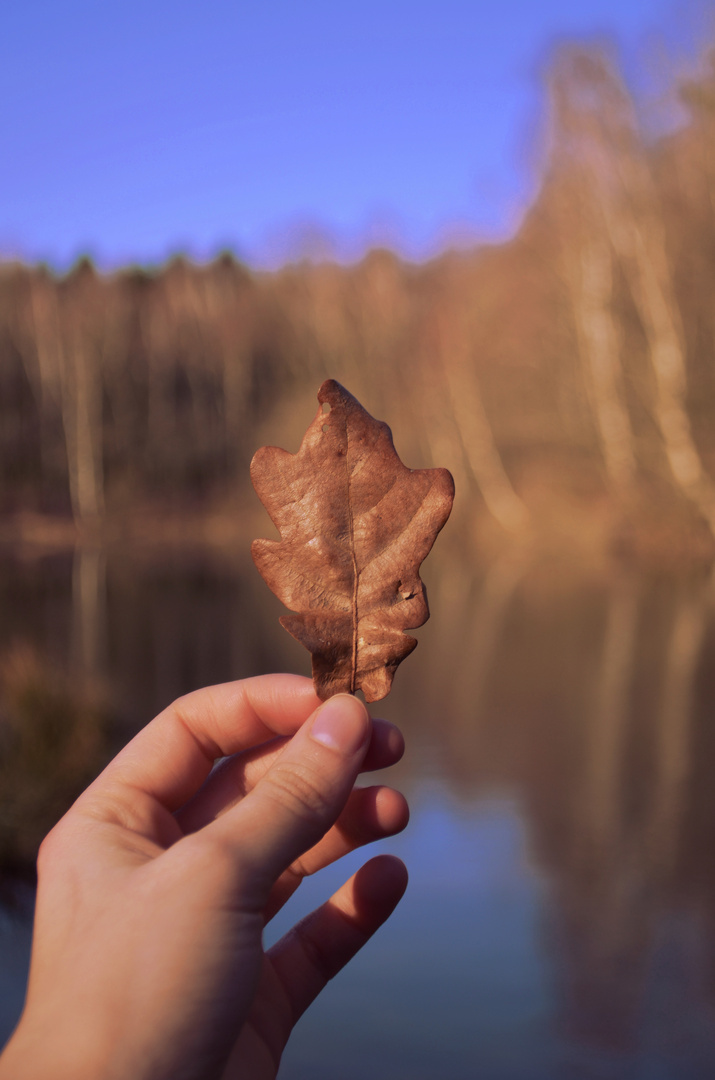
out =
column 460, row 986
column 561, row 917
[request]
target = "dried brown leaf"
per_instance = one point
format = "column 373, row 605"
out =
column 355, row 525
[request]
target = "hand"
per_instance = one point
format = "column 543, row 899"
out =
column 154, row 888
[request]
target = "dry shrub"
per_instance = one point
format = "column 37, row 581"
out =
column 52, row 743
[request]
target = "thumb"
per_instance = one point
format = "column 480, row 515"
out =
column 301, row 795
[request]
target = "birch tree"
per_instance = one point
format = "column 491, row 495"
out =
column 454, row 365
column 588, row 264
column 68, row 372
column 603, row 121
column 77, row 320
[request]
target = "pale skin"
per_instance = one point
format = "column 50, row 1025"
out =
column 155, row 887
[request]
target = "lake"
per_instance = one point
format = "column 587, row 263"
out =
column 560, row 917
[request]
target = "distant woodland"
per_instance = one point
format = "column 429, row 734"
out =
column 566, row 378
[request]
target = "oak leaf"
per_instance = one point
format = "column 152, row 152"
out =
column 355, row 525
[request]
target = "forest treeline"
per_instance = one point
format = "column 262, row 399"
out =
column 565, row 375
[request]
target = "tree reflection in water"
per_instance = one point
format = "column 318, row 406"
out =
column 583, row 698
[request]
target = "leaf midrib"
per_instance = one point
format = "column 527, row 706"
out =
column 356, row 573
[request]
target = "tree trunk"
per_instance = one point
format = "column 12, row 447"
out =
column 480, row 451
column 641, row 246
column 591, row 286
column 598, row 128
column 81, row 401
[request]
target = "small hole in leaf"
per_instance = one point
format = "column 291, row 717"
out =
column 326, row 406
column 325, row 427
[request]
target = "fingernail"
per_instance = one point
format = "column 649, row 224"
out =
column 341, row 724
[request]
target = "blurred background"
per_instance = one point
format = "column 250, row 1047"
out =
column 495, row 224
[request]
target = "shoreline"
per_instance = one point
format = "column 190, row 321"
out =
column 591, row 533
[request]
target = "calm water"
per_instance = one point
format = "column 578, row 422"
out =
column 560, row 919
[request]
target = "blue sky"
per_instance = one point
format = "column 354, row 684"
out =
column 132, row 130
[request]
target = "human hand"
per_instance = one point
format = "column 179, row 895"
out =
column 154, row 888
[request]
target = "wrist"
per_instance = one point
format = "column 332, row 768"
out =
column 33, row 1053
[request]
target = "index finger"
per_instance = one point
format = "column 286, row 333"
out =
column 171, row 757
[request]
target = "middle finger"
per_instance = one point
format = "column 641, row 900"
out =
column 235, row 776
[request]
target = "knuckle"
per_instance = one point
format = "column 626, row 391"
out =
column 300, row 791
column 211, row 855
column 50, row 850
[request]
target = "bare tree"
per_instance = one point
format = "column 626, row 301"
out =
column 68, row 373
column 79, row 308
column 454, row 365
column 601, row 121
column 588, row 270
